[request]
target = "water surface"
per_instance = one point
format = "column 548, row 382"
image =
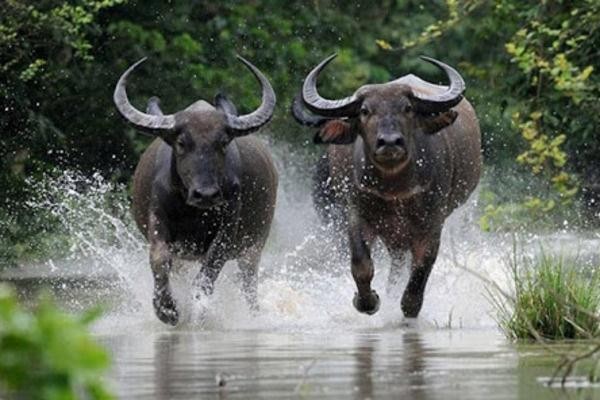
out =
column 408, row 362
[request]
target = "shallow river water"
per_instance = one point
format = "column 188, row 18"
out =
column 406, row 362
column 307, row 341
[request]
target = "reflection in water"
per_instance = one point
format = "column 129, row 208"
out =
column 401, row 363
column 414, row 367
column 363, row 376
column 164, row 360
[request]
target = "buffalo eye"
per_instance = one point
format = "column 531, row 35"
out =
column 408, row 108
column 364, row 111
column 223, row 141
column 180, row 145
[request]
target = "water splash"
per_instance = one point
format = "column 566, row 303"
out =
column 305, row 281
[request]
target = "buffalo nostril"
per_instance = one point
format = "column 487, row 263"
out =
column 196, row 194
column 210, row 193
column 399, row 142
column 380, row 142
column 205, row 193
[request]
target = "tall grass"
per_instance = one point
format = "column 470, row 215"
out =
column 553, row 299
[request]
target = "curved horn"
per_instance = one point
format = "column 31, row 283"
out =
column 327, row 108
column 303, row 117
column 437, row 103
column 245, row 124
column 152, row 124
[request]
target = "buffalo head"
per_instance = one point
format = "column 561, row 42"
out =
column 199, row 135
column 390, row 118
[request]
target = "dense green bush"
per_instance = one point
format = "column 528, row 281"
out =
column 47, row 354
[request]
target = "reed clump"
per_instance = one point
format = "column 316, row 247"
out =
column 553, row 300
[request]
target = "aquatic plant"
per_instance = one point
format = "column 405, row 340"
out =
column 47, row 354
column 553, row 300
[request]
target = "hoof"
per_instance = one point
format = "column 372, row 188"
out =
column 165, row 307
column 367, row 305
column 411, row 306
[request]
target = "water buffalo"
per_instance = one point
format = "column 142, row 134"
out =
column 203, row 189
column 402, row 156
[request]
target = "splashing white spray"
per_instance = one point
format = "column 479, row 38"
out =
column 305, row 281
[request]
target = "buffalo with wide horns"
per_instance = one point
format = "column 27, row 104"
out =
column 401, row 157
column 203, row 190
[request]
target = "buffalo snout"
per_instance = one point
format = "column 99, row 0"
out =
column 390, row 140
column 204, row 196
column 390, row 147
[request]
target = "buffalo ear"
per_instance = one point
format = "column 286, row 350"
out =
column 224, row 104
column 436, row 123
column 335, row 131
column 153, row 107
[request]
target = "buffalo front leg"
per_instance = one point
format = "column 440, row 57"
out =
column 424, row 253
column 248, row 265
column 365, row 299
column 160, row 262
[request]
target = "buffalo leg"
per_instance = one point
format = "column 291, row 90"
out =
column 160, row 263
column 365, row 300
column 424, row 252
column 215, row 260
column 216, row 256
column 248, row 265
column 399, row 260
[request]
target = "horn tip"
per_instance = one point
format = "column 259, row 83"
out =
column 242, row 59
column 141, row 60
column 330, row 58
column 247, row 63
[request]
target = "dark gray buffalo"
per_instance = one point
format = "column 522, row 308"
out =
column 203, row 189
column 402, row 156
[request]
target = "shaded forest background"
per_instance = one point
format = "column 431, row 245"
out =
column 530, row 67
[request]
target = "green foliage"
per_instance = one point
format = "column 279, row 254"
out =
column 30, row 235
column 552, row 300
column 65, row 212
column 47, row 354
column 59, row 61
column 543, row 51
column 511, row 201
column 550, row 80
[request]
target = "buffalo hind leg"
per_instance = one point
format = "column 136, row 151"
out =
column 248, row 266
column 399, row 258
column 213, row 264
column 365, row 299
column 220, row 248
column 424, row 253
